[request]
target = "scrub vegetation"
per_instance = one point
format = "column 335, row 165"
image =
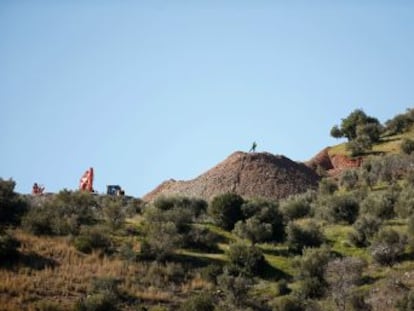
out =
column 348, row 245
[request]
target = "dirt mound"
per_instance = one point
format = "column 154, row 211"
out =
column 322, row 160
column 247, row 174
column 334, row 164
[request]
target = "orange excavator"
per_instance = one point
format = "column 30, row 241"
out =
column 86, row 182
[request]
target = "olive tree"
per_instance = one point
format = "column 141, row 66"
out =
column 343, row 275
column 300, row 236
column 388, row 246
column 311, row 266
column 225, row 209
column 349, row 125
column 12, row 206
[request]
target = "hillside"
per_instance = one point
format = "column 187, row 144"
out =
column 337, row 158
column 389, row 144
column 247, row 174
column 346, row 245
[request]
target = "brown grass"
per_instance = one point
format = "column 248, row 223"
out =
column 194, row 284
column 64, row 277
column 52, row 270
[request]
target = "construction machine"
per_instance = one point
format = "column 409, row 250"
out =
column 86, row 182
column 114, row 190
column 37, row 189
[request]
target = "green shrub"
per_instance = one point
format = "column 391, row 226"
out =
column 245, row 260
column 327, row 186
column 358, row 302
column 289, row 303
column 180, row 217
column 349, row 179
column 405, row 202
column 253, row 230
column 357, row 123
column 410, row 231
column 114, row 212
column 379, row 205
column 311, row 266
column 202, row 239
column 295, row 207
column 360, row 129
column 104, row 296
column 12, row 206
column 164, row 203
column 97, row 302
column 301, row 236
column 8, row 247
column 160, row 240
column 225, row 209
column 282, row 286
column 368, row 173
column 38, row 220
column 195, row 206
column 343, row 275
column 407, row 146
column 365, row 228
column 407, row 302
column 79, row 204
column 399, row 124
column 266, row 216
column 235, row 289
column 211, row 272
column 388, row 246
column 200, row 302
column 358, row 146
column 339, row 208
column 390, row 167
column 93, row 238
column 63, row 214
column 105, row 284
column 372, row 131
column 312, row 263
column 336, row 132
column 162, row 275
column 127, row 252
column 133, row 207
column 310, row 288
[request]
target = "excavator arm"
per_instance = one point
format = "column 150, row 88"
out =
column 86, row 181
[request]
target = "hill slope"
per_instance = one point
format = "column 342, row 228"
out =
column 247, row 174
column 337, row 158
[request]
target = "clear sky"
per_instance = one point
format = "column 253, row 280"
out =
column 144, row 91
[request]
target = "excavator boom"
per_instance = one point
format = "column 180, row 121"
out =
column 86, row 182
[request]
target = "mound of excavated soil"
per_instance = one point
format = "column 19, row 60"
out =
column 335, row 164
column 248, row 174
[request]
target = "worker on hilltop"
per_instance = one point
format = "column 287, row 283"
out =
column 253, row 148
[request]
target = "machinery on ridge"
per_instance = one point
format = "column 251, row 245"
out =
column 86, row 184
column 86, row 181
column 114, row 190
column 37, row 189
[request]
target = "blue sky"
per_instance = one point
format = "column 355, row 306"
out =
column 144, row 91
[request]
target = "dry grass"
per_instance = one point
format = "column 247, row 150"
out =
column 387, row 145
column 52, row 270
column 154, row 294
column 195, row 284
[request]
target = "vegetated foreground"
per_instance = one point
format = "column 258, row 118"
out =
column 346, row 245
